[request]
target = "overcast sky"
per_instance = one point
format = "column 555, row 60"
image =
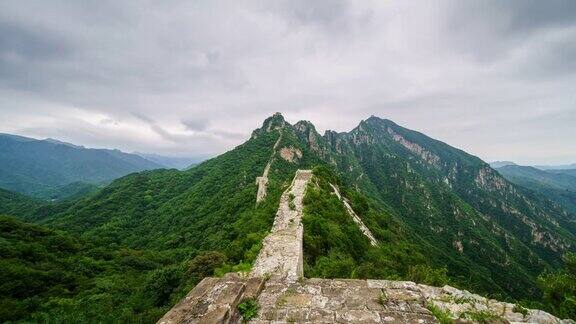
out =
column 187, row 78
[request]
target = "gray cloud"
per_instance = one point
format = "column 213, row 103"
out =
column 196, row 124
column 490, row 29
column 195, row 77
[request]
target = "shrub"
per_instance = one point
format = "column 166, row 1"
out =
column 382, row 298
column 559, row 289
column 480, row 316
column 248, row 308
column 203, row 265
column 520, row 309
column 425, row 274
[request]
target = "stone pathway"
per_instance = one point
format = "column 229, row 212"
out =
column 281, row 256
column 338, row 301
column 215, row 300
column 382, row 301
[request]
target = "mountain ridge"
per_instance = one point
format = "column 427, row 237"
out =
column 441, row 215
column 41, row 168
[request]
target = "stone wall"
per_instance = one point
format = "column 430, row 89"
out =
column 284, row 296
column 262, row 182
column 214, row 300
column 363, row 228
column 281, row 255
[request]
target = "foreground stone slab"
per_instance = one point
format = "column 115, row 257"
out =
column 215, row 300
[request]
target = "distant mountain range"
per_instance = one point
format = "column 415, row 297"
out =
column 52, row 169
column 556, row 167
column 499, row 164
column 559, row 185
column 171, row 162
column 528, row 176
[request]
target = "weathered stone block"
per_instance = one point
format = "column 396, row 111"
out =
column 220, row 315
column 229, row 293
column 253, row 287
column 357, row 316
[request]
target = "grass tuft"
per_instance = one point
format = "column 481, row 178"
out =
column 520, row 309
column 480, row 316
column 444, row 317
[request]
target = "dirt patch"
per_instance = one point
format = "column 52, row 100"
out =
column 290, row 154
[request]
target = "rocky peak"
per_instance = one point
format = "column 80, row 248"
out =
column 377, row 124
column 307, row 132
column 272, row 123
column 305, row 126
column 330, row 136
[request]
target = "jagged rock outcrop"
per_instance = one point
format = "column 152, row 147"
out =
column 214, row 300
column 273, row 123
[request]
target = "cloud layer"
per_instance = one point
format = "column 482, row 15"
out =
column 495, row 78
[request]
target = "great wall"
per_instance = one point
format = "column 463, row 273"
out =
column 262, row 182
column 283, row 295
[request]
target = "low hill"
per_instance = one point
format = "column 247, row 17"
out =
column 40, row 168
column 172, row 162
column 525, row 175
column 557, row 185
column 12, row 203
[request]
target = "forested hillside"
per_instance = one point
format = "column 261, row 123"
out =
column 489, row 234
column 12, row 203
column 46, row 168
column 440, row 215
column 556, row 185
